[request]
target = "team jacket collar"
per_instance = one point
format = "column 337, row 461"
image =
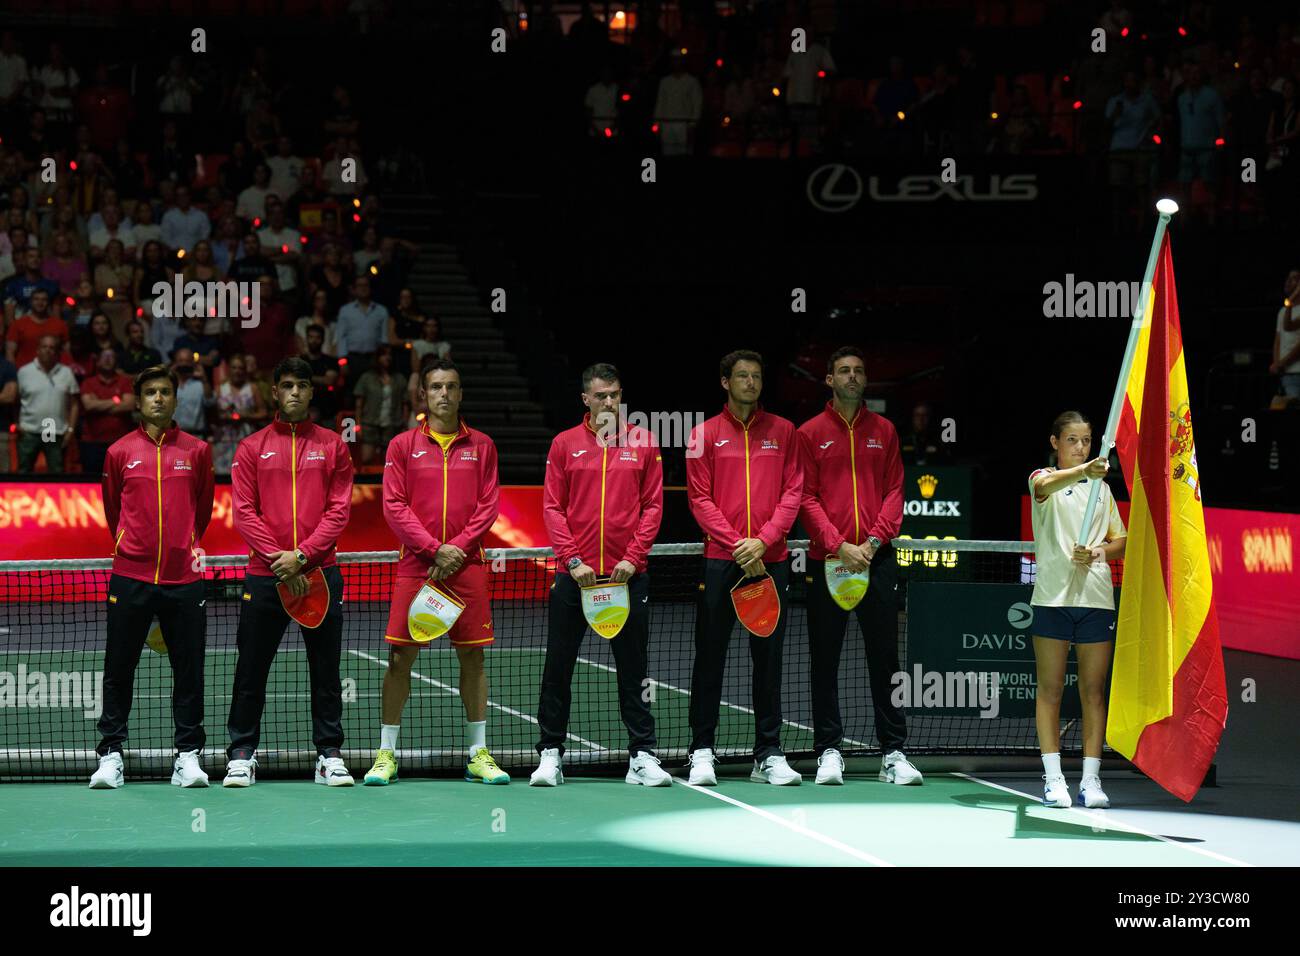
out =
column 595, row 433
column 837, row 417
column 286, row 428
column 743, row 426
column 427, row 432
column 169, row 436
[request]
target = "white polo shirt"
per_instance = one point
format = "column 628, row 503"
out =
column 1057, row 520
column 44, row 395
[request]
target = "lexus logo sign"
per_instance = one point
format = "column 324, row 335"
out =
column 834, row 187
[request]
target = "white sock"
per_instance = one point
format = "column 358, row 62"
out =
column 475, row 734
column 388, row 736
column 1052, row 764
column 1092, row 767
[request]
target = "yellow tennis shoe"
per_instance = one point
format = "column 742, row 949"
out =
column 384, row 771
column 482, row 768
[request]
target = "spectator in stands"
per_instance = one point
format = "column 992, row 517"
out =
column 171, row 160
column 13, row 89
column 974, row 100
column 194, row 398
column 333, row 279
column 105, row 107
column 49, row 410
column 390, row 271
column 113, row 229
column 333, row 171
column 8, row 405
column 342, row 119
column 262, row 126
column 1115, row 20
column 251, row 205
column 1202, row 117
column 1286, row 340
column 143, row 227
column 1283, row 165
column 895, row 93
column 407, row 322
column 368, row 254
column 430, row 341
column 324, row 375
column 237, row 171
column 216, row 206
column 311, row 193
column 15, row 249
column 739, row 98
column 202, row 348
column 286, row 169
column 38, row 140
column 114, row 285
column 151, row 271
column 18, row 290
column 126, row 172
column 64, row 267
column 380, row 405
column 920, row 444
column 110, row 197
column 88, row 341
column 805, row 77
column 1022, row 128
column 1248, row 116
column 252, row 265
column 936, row 112
column 226, row 245
column 1133, row 115
column 601, row 103
column 281, row 245
column 176, row 92
column 201, row 268
column 272, row 338
column 107, row 402
column 57, row 84
column 240, row 411
column 183, row 225
column 361, row 327
column 84, row 305
column 678, row 106
column 321, row 315
column 137, row 354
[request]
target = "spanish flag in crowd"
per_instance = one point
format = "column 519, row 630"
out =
column 1168, row 701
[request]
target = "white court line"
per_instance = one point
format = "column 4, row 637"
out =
column 790, row 825
column 1101, row 818
column 501, row 707
column 725, row 703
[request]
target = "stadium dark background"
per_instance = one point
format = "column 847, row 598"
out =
column 946, row 296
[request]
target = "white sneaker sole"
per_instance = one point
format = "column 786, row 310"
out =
column 837, row 780
column 238, row 782
column 636, row 780
column 100, row 783
column 888, row 777
column 1061, row 803
column 195, row 782
column 702, row 781
column 555, row 781
column 1094, row 803
column 335, row 781
column 794, row 781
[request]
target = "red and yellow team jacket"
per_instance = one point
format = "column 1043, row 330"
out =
column 603, row 503
column 432, row 498
column 746, row 482
column 291, row 490
column 853, row 480
column 158, row 501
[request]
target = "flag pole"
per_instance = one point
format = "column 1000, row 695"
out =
column 1166, row 208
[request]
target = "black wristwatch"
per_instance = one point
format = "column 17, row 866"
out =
column 875, row 542
column 302, row 558
column 573, row 563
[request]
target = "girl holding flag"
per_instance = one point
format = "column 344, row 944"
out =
column 1073, row 602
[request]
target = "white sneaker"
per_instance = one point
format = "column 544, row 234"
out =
column 1091, row 795
column 830, row 767
column 108, row 776
column 1056, row 793
column 776, row 771
column 548, row 772
column 187, row 772
column 331, row 772
column 241, row 773
column 896, row 768
column 702, row 773
column 644, row 769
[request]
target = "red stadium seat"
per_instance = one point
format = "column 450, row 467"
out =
column 209, row 170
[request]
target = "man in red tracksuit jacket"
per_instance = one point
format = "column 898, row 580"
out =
column 441, row 496
column 157, row 486
column 602, row 505
column 744, row 477
column 852, row 509
column 292, row 495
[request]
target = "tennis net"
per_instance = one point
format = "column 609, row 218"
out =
column 963, row 615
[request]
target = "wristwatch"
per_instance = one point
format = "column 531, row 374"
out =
column 302, row 558
column 573, row 563
column 875, row 542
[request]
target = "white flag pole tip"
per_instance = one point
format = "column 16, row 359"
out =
column 1167, row 206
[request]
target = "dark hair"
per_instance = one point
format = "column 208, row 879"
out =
column 152, row 372
column 740, row 355
column 839, row 353
column 315, row 326
column 293, row 367
column 1068, row 418
column 601, row 370
column 435, row 363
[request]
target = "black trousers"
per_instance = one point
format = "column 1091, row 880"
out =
column 715, row 619
column 262, row 622
column 132, row 606
column 567, row 627
column 877, row 615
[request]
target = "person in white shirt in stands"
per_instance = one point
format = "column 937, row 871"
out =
column 184, row 225
column 96, row 220
column 48, row 392
column 677, row 108
column 805, row 75
column 286, row 168
column 58, row 85
column 1286, row 342
column 332, row 172
column 143, row 228
column 1073, row 602
column 282, row 246
column 601, row 102
column 251, row 203
column 13, row 76
column 112, row 227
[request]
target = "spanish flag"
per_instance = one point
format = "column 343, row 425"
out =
column 1168, row 701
